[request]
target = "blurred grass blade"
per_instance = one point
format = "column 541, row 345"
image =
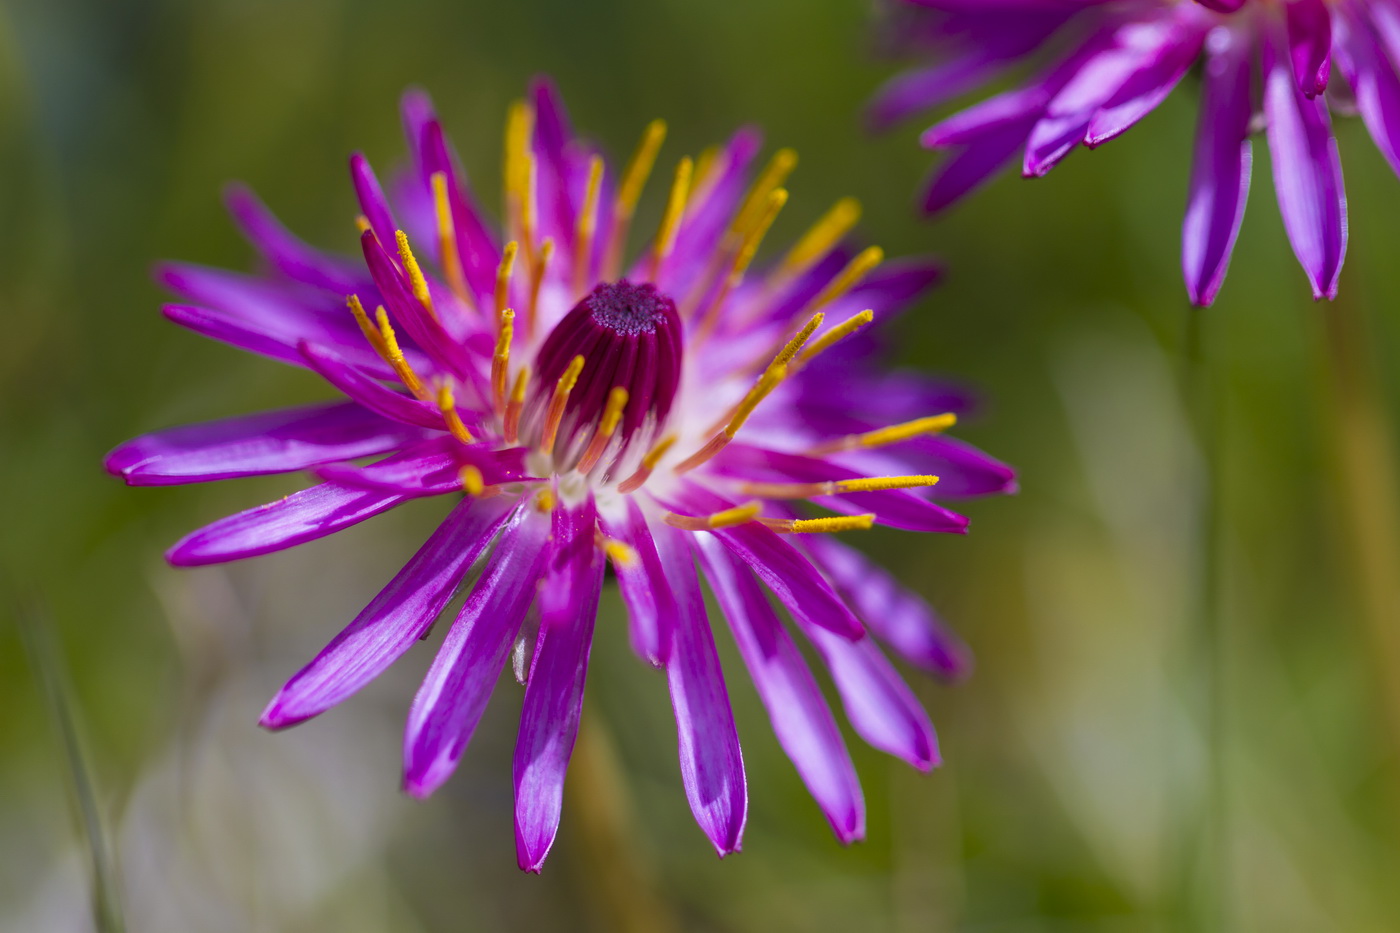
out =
column 36, row 632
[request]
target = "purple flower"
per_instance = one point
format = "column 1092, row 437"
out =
column 1102, row 65
column 667, row 415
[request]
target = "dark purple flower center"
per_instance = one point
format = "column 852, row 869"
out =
column 629, row 337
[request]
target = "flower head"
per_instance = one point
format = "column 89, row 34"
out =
column 576, row 410
column 1101, row 65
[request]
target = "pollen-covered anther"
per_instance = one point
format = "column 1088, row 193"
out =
column 587, row 224
column 448, row 406
column 629, row 192
column 500, row 360
column 562, row 389
column 503, row 274
column 621, row 553
column 934, row 424
column 447, row 241
column 416, row 281
column 671, row 219
column 545, row 501
column 841, row 331
column 788, row 526
column 473, row 484
column 739, row 515
column 818, row 241
column 385, row 342
column 836, row 487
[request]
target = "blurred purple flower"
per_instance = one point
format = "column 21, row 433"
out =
column 1102, row 65
column 600, row 418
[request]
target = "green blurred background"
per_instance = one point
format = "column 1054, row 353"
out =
column 1147, row 743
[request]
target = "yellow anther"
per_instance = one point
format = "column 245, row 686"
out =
column 472, row 481
column 704, row 165
column 835, row 487
column 848, row 277
column 620, row 553
column 649, row 462
column 819, row 240
column 772, row 178
column 448, row 407
column 629, row 191
column 503, row 273
column 447, row 241
column 362, row 223
column 877, row 483
column 555, row 413
column 393, row 355
column 742, row 257
column 766, row 384
column 839, row 332
column 500, row 360
column 545, row 501
column 587, row 225
column 790, row 348
column 612, row 412
column 671, row 220
column 511, row 422
column 368, row 329
column 520, row 122
column 415, row 274
column 739, row 515
column 536, row 280
column 890, row 435
column 822, row 525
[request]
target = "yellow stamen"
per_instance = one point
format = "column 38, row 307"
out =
column 448, row 407
column 634, row 177
column 369, row 330
column 836, row 487
column 447, row 241
column 415, row 274
column 839, row 332
column 671, row 220
column 704, row 165
column 820, row 525
column 472, row 481
column 557, row 401
column 607, row 425
column 393, row 355
column 520, row 122
column 649, row 462
column 790, row 348
column 739, row 515
column 848, row 277
column 545, row 501
column 774, row 174
column 819, row 240
column 587, row 225
column 742, row 257
column 500, row 360
column 622, row 554
column 511, row 422
column 766, row 384
column 890, row 435
column 503, row 272
column 362, row 223
column 536, row 280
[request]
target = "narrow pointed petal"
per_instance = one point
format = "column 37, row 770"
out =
column 712, row 766
column 1140, row 94
column 894, row 614
column 372, row 200
column 549, row 718
column 395, row 620
column 253, row 445
column 303, row 516
column 372, row 395
column 651, row 606
column 1220, row 170
column 801, row 718
column 284, row 251
column 1373, row 79
column 967, row 170
column 1309, row 44
column 1307, row 178
column 454, row 693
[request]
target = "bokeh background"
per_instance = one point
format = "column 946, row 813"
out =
column 1183, row 711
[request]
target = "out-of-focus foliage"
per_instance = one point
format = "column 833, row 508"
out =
column 1085, row 788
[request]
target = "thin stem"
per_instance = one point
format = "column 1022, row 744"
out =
column 619, row 881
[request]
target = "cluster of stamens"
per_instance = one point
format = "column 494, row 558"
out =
column 596, row 396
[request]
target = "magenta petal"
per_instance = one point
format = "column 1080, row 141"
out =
column 1307, row 178
column 453, row 696
column 651, row 607
column 1148, row 87
column 303, row 516
column 252, row 445
column 286, row 252
column 396, row 619
column 1222, row 6
column 801, row 718
column 364, row 390
column 1309, row 44
column 712, row 765
column 553, row 703
column 892, row 613
column 878, row 702
column 372, row 200
column 1373, row 79
column 965, row 171
column 780, row 566
column 1220, row 170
